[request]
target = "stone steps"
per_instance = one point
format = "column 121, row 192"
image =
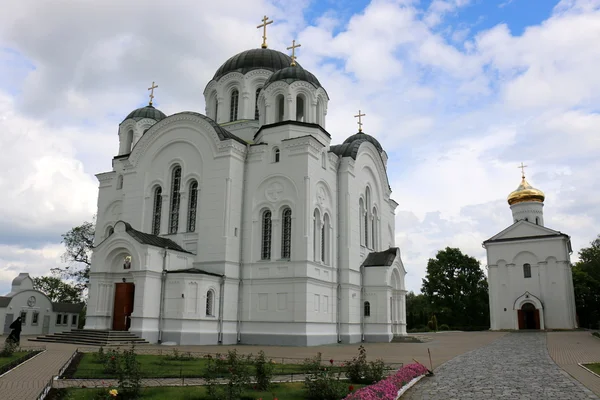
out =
column 90, row 337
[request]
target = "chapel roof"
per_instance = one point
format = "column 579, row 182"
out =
column 381, row 258
column 292, row 74
column 74, row 308
column 222, row 133
column 246, row 61
column 525, row 192
column 153, row 240
column 193, row 271
column 146, row 112
column 5, row 301
column 360, row 136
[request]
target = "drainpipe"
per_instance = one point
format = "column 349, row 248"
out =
column 241, row 255
column 338, row 326
column 221, row 302
column 362, row 304
column 163, row 278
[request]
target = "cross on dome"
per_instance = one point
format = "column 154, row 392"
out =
column 522, row 170
column 151, row 88
column 266, row 22
column 359, row 120
column 293, row 48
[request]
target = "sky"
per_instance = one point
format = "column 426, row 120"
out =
column 458, row 92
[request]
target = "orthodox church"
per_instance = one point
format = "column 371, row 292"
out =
column 245, row 224
column 529, row 269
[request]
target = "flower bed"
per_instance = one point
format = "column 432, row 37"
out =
column 388, row 388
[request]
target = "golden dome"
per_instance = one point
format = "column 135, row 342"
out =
column 525, row 192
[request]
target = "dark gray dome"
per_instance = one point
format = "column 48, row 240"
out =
column 146, row 112
column 293, row 74
column 246, row 61
column 362, row 137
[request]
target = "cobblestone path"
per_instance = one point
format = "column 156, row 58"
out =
column 516, row 366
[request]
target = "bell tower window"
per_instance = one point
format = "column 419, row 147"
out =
column 256, row 113
column 175, row 199
column 192, row 206
column 265, row 253
column 300, row 108
column 276, row 154
column 233, row 111
column 279, row 102
column 156, row 212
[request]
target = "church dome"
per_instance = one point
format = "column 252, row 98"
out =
column 293, row 74
column 249, row 60
column 361, row 136
column 525, row 192
column 146, row 112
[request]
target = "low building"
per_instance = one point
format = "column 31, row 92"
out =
column 38, row 314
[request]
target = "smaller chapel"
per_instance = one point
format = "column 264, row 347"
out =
column 529, row 269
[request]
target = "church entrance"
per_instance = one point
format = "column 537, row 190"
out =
column 529, row 317
column 123, row 306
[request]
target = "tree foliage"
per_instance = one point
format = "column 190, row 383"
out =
column 456, row 289
column 57, row 290
column 78, row 242
column 418, row 311
column 586, row 283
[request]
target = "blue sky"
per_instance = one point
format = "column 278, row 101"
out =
column 458, row 92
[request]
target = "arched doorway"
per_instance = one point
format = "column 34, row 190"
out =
column 529, row 317
column 124, row 295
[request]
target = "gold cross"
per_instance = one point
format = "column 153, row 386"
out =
column 522, row 169
column 264, row 26
column 151, row 88
column 293, row 48
column 359, row 120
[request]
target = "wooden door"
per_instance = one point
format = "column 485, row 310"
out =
column 521, row 318
column 46, row 325
column 536, row 318
column 123, row 305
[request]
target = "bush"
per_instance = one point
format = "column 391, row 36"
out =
column 177, row 356
column 100, row 356
column 322, row 383
column 129, row 375
column 388, row 388
column 9, row 348
column 111, row 362
column 263, row 371
column 358, row 370
column 444, row 327
column 238, row 374
column 432, row 324
column 597, row 334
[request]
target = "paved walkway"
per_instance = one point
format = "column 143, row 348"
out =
column 517, row 366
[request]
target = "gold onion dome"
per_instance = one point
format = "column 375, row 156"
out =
column 525, row 192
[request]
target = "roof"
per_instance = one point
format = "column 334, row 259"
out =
column 5, row 301
column 223, row 133
column 252, row 59
column 290, row 122
column 146, row 112
column 535, row 231
column 293, row 74
column 153, row 240
column 193, row 271
column 514, row 239
column 67, row 307
column 20, row 278
column 381, row 258
column 361, row 136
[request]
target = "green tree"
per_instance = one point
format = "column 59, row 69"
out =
column 456, row 289
column 78, row 242
column 586, row 284
column 57, row 290
column 417, row 310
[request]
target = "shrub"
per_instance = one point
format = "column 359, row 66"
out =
column 444, row 327
column 9, row 348
column 387, row 389
column 263, row 371
column 238, row 375
column 432, row 324
column 111, row 362
column 358, row 370
column 129, row 375
column 322, row 383
column 100, row 356
column 177, row 356
column 597, row 334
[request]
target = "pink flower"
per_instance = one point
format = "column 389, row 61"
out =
column 388, row 388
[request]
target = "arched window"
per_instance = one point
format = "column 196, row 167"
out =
column 265, row 253
column 300, row 108
column 175, row 198
column 526, row 270
column 374, row 229
column 279, row 104
column 361, row 221
column 256, row 113
column 367, row 309
column 325, row 241
column 119, row 182
column 324, row 159
column 537, row 220
column 156, row 211
column 233, row 110
column 129, row 142
column 366, row 217
column 276, row 154
column 216, row 109
column 319, row 112
column 286, row 234
column 210, row 306
column 316, row 234
column 192, row 206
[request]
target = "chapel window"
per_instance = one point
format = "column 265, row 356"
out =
column 276, row 154
column 233, row 110
column 366, row 217
column 156, row 211
column 367, row 309
column 286, row 234
column 216, row 110
column 279, row 102
column 361, row 221
column 192, row 206
column 256, row 113
column 74, row 320
column 23, row 317
column 175, row 199
column 316, row 234
column 129, row 142
column 325, row 241
column 65, row 319
column 210, row 297
column 300, row 108
column 319, row 112
column 119, row 182
column 324, row 160
column 526, row 270
column 34, row 319
column 58, row 319
column 537, row 220
column 265, row 253
column 374, row 229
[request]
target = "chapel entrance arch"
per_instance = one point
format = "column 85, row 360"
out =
column 529, row 317
column 124, row 297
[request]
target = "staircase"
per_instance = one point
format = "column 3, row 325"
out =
column 92, row 337
column 411, row 339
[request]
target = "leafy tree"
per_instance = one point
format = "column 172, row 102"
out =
column 78, row 243
column 417, row 310
column 457, row 289
column 57, row 290
column 586, row 284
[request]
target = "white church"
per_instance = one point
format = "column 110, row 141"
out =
column 246, row 224
column 529, row 269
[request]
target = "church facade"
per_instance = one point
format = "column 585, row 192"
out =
column 529, row 269
column 245, row 224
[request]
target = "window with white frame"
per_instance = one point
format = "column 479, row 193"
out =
column 233, row 110
column 35, row 318
column 23, row 316
column 175, row 199
column 265, row 253
column 58, row 319
column 65, row 319
column 286, row 234
column 210, row 299
column 316, row 235
column 192, row 206
column 276, row 154
column 374, row 229
column 362, row 219
column 367, row 309
column 325, row 242
column 526, row 270
column 120, row 182
column 256, row 113
column 156, row 210
column 73, row 320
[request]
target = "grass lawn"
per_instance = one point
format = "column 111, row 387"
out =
column 155, row 366
column 593, row 367
column 282, row 391
column 16, row 355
